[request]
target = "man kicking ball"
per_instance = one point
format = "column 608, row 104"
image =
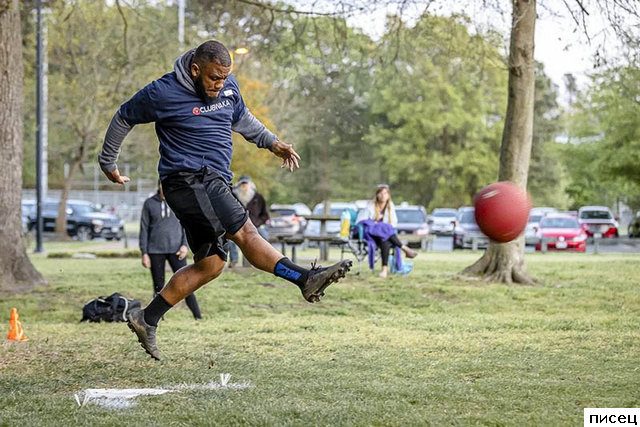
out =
column 195, row 108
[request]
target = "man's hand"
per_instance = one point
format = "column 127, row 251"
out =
column 182, row 252
column 114, row 176
column 288, row 155
column 146, row 261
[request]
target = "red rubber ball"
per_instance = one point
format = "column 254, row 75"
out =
column 502, row 211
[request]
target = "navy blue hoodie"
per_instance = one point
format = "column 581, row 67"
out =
column 192, row 133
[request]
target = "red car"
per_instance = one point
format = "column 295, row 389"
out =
column 561, row 232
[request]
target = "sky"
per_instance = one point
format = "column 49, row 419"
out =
column 558, row 45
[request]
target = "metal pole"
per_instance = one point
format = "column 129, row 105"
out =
column 44, row 133
column 39, row 127
column 181, row 5
column 96, row 184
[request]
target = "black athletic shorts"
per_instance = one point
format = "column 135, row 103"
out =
column 206, row 208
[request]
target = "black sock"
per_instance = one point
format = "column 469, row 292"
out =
column 155, row 310
column 291, row 272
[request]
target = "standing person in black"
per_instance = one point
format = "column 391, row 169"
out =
column 245, row 191
column 162, row 239
column 195, row 108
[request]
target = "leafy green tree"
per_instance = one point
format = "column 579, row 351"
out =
column 321, row 74
column 604, row 160
column 438, row 107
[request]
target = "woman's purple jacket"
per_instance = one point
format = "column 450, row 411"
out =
column 382, row 230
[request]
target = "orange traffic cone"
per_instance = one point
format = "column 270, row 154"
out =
column 15, row 328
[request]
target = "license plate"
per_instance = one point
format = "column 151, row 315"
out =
column 561, row 245
column 114, row 229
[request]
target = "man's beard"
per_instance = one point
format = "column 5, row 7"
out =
column 201, row 92
column 245, row 196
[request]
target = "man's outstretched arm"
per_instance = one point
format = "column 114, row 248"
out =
column 141, row 108
column 117, row 131
column 254, row 131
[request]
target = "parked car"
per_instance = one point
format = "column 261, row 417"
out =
column 332, row 227
column 533, row 224
column 598, row 219
column 562, row 232
column 466, row 230
column 287, row 220
column 634, row 226
column 442, row 220
column 84, row 220
column 412, row 224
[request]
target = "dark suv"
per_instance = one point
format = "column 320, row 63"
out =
column 84, row 220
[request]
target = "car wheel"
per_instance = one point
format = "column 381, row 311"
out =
column 83, row 233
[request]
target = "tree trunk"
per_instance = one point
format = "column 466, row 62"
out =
column 505, row 262
column 16, row 270
column 61, row 219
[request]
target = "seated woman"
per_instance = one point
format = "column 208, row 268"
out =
column 381, row 210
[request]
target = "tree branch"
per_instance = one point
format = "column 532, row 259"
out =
column 124, row 31
column 289, row 10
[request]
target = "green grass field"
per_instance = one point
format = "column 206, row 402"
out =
column 427, row 349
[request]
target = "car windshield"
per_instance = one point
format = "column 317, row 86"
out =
column 559, row 223
column 410, row 216
column 282, row 212
column 534, row 219
column 444, row 214
column 595, row 215
column 83, row 209
column 468, row 217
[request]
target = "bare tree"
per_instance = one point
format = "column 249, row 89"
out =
column 16, row 270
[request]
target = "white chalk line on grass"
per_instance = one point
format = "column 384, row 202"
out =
column 122, row 398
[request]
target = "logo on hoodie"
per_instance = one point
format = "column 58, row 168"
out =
column 213, row 107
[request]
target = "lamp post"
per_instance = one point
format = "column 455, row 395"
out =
column 181, row 6
column 238, row 51
column 41, row 125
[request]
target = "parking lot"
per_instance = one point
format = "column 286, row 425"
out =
column 615, row 245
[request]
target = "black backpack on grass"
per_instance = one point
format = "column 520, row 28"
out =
column 113, row 308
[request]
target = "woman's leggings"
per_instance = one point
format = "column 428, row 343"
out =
column 157, row 274
column 386, row 245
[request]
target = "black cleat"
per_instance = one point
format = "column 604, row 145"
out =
column 146, row 333
column 320, row 278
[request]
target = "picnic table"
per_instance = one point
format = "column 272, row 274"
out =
column 288, row 239
column 323, row 238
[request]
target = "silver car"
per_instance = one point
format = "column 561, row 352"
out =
column 332, row 227
column 467, row 232
column 287, row 220
column 443, row 220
